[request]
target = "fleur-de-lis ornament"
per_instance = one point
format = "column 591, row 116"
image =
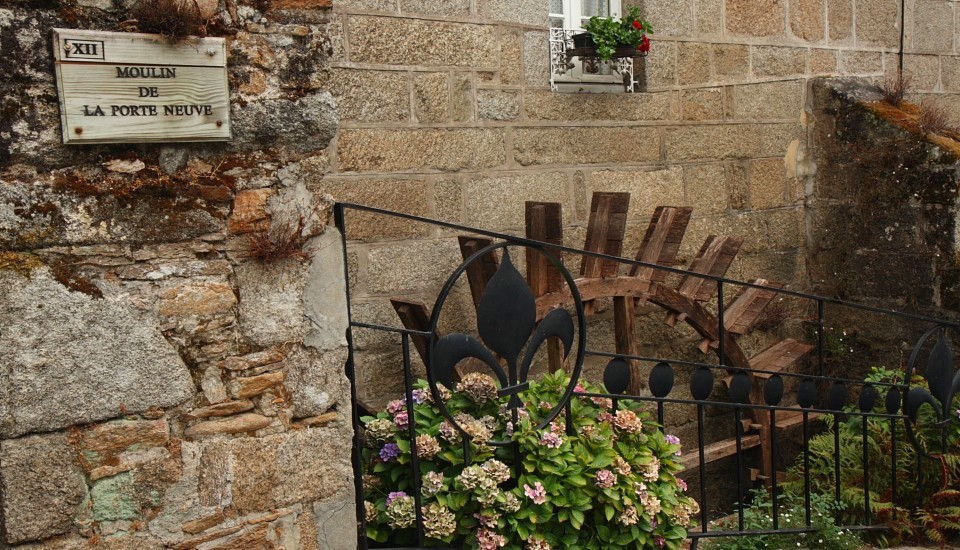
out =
column 509, row 334
column 943, row 383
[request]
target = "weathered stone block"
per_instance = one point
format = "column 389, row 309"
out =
column 249, row 386
column 429, row 7
column 693, row 63
column 546, row 105
column 660, row 67
column 950, row 73
column 42, row 487
column 279, row 470
column 370, row 96
column 669, row 17
column 779, row 61
column 335, row 520
column 103, row 443
column 271, row 307
column 114, row 498
column 755, row 17
column 702, row 104
column 368, row 5
column 241, row 423
column 431, row 97
column 709, row 17
column 316, row 381
column 807, row 19
column 66, row 358
column 362, row 150
column 854, row 62
column 525, row 12
column 249, row 211
column 933, row 26
column 393, row 41
column 399, row 195
column 498, row 202
column 823, row 62
column 461, row 98
column 772, row 100
column 705, row 188
column 304, row 125
column 878, row 22
column 536, row 58
column 922, row 70
column 511, row 56
column 395, row 269
column 648, row 189
column 325, row 294
column 768, row 184
column 839, row 20
column 585, row 145
column 498, row 105
column 197, row 299
column 726, row 141
column 731, row 61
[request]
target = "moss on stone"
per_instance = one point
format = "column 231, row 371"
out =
column 19, row 262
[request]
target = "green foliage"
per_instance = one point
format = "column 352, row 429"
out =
column 792, row 514
column 612, row 484
column 928, row 513
column 608, row 33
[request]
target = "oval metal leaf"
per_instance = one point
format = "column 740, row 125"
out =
column 556, row 323
column 868, row 398
column 838, row 396
column 773, row 390
column 939, row 373
column 740, row 388
column 453, row 348
column 507, row 312
column 701, row 383
column 616, row 377
column 893, row 400
column 916, row 397
column 806, row 393
column 661, row 379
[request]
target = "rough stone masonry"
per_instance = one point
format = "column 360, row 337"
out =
column 160, row 388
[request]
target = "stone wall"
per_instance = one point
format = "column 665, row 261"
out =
column 159, row 388
column 456, row 121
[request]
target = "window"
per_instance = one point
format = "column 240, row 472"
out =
column 574, row 74
column 570, row 14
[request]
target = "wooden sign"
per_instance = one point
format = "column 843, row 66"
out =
column 135, row 88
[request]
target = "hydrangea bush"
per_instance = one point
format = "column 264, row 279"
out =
column 610, row 484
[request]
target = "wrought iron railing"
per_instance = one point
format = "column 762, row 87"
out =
column 510, row 332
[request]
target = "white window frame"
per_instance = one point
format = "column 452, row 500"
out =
column 573, row 8
column 574, row 80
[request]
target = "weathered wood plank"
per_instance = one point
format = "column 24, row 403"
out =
column 661, row 242
column 605, row 230
column 414, row 316
column 544, row 223
column 137, row 49
column 625, row 338
column 716, row 451
column 479, row 273
column 743, row 313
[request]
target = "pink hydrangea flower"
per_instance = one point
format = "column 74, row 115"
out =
column 551, row 440
column 606, row 479
column 536, row 493
column 401, row 420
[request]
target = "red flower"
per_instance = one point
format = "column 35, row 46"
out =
column 637, row 25
column 644, row 46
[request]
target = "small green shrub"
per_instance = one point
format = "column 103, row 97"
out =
column 759, row 515
column 611, row 484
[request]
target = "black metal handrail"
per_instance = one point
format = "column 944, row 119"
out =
column 702, row 381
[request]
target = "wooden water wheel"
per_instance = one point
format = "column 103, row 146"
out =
column 601, row 278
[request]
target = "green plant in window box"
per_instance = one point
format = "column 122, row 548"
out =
column 610, row 35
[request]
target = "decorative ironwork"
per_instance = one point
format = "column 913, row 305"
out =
column 509, row 335
column 507, row 326
column 563, row 53
column 943, row 383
